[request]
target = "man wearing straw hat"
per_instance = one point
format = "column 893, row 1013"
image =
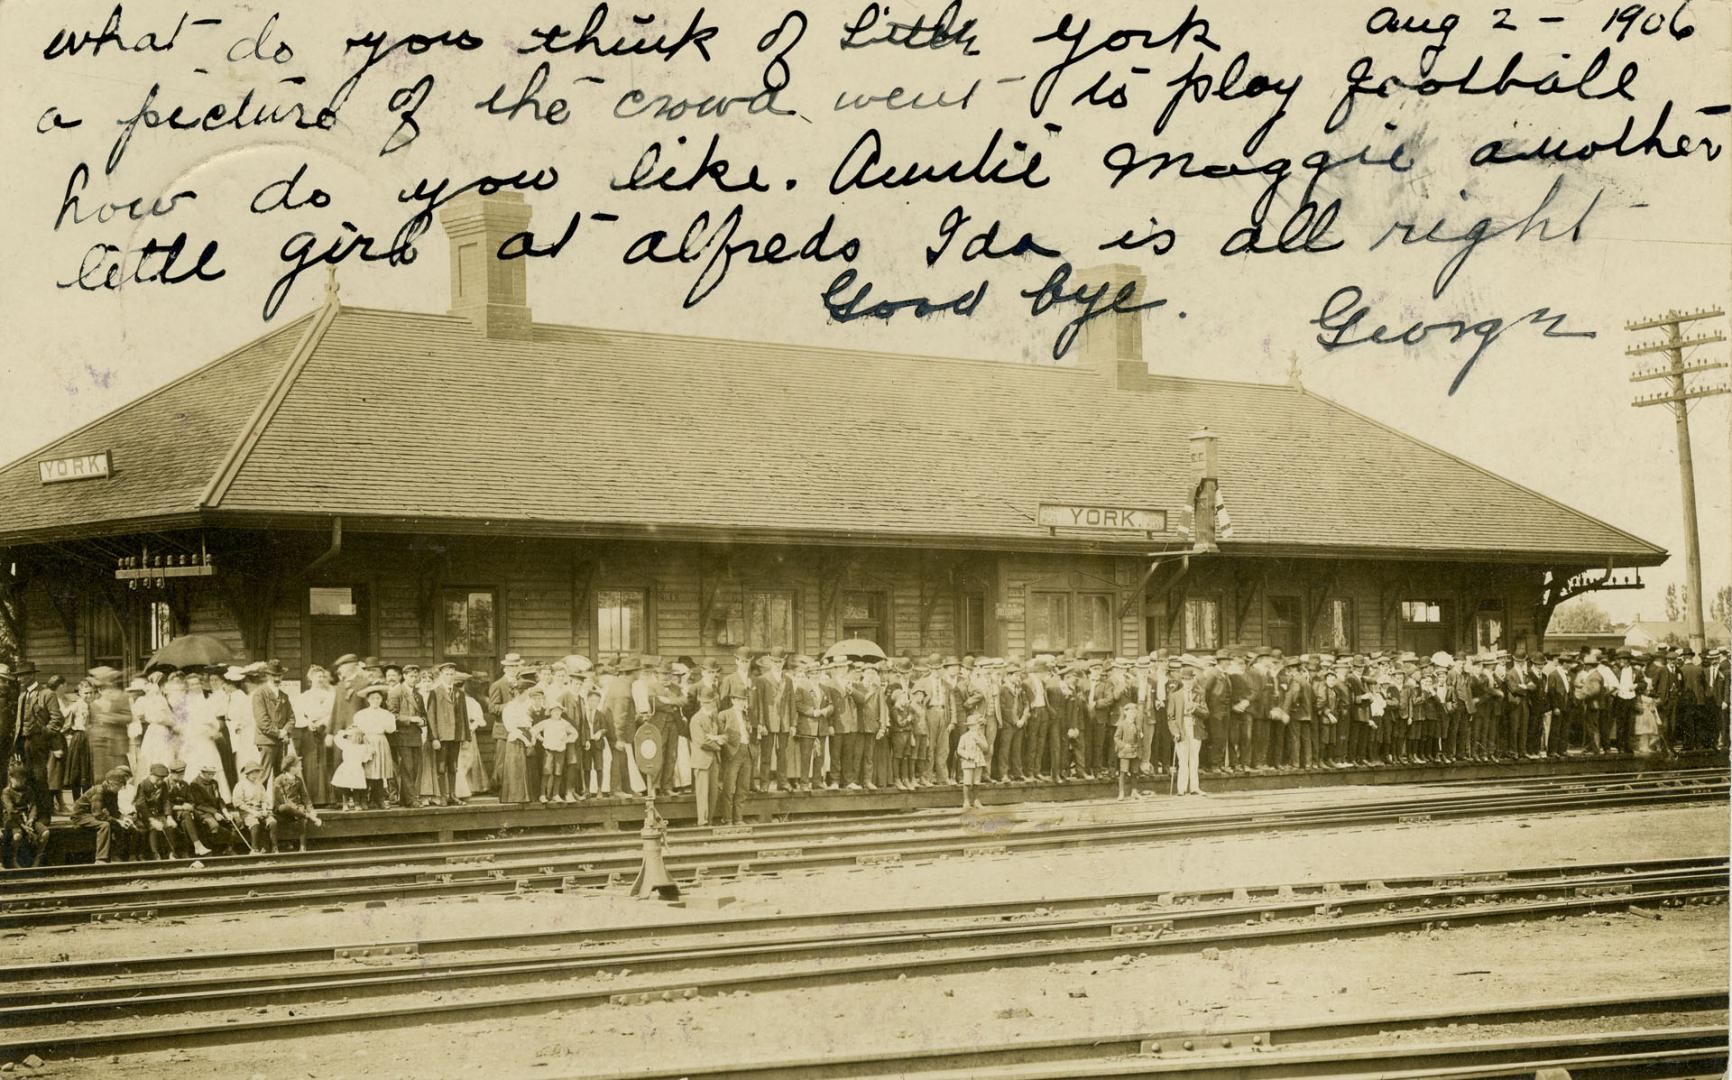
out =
column 1187, row 713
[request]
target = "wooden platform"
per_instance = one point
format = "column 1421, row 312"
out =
column 483, row 815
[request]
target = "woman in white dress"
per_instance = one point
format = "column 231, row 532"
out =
column 472, row 778
column 198, row 738
column 160, row 742
column 240, row 717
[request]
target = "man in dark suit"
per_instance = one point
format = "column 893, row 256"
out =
column 447, row 720
column 41, row 721
column 410, row 734
column 1518, row 690
column 348, row 680
column 737, row 691
column 1213, row 689
column 273, row 721
column 1695, row 729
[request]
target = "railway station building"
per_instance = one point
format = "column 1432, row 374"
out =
column 337, row 485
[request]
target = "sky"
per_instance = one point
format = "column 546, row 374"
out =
column 1552, row 413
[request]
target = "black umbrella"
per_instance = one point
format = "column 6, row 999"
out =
column 191, row 650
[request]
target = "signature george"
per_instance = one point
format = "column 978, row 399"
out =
column 1340, row 326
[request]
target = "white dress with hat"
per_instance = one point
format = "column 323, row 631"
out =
column 351, row 775
column 160, row 744
column 198, row 739
column 377, row 724
column 240, row 723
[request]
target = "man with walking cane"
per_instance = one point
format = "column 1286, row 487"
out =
column 1187, row 712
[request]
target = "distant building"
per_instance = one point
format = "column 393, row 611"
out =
column 1611, row 638
column 1645, row 634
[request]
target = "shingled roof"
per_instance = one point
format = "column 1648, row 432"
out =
column 373, row 414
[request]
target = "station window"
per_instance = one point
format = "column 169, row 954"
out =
column 1202, row 624
column 1094, row 624
column 866, row 615
column 762, row 619
column 1048, row 621
column 1488, row 625
column 470, row 627
column 621, row 622
column 1422, row 612
column 1338, row 632
column 971, row 623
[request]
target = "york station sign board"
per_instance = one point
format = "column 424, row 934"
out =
column 1109, row 518
column 98, row 466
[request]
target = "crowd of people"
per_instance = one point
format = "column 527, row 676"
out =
column 363, row 734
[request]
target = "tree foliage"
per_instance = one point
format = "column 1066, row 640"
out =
column 1579, row 616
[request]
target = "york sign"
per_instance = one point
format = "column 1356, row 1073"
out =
column 1127, row 518
column 82, row 467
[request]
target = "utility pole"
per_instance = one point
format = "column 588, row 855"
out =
column 1678, row 394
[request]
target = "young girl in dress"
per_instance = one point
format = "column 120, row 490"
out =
column 376, row 723
column 973, row 753
column 350, row 779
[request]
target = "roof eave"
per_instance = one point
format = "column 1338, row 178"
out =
column 544, row 529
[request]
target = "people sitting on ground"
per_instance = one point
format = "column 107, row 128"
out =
column 294, row 810
column 23, row 826
column 152, row 808
column 202, row 815
column 98, row 812
column 252, row 800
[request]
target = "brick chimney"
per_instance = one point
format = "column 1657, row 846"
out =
column 1205, row 475
column 1113, row 344
column 486, row 290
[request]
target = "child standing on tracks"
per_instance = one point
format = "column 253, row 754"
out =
column 973, row 753
column 1125, row 746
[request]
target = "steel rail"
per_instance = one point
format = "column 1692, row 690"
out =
column 62, row 1004
column 1224, row 1049
column 888, row 956
column 588, row 870
column 369, row 856
column 151, row 875
column 184, row 964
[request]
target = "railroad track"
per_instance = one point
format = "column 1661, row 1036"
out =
column 103, row 1008
column 1675, row 1034
column 598, row 840
column 184, row 892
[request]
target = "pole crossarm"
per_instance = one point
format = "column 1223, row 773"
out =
column 1687, row 369
column 1676, row 398
column 1674, row 317
column 1681, row 343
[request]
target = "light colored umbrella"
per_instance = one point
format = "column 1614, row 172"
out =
column 855, row 649
column 576, row 663
column 1442, row 659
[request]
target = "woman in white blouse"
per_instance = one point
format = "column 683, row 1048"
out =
column 312, row 728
